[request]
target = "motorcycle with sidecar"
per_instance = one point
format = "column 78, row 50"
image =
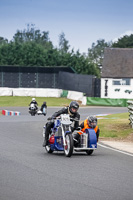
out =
column 61, row 137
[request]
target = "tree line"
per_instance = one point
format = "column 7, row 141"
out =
column 32, row 47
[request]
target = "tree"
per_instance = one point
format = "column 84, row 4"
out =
column 124, row 42
column 63, row 43
column 3, row 40
column 32, row 47
column 32, row 35
column 27, row 54
column 3, row 54
column 96, row 52
column 82, row 64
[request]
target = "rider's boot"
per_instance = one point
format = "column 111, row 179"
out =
column 47, row 132
column 45, row 143
column 76, row 139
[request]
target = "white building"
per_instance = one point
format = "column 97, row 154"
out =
column 117, row 73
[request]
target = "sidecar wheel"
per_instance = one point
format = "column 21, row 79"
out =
column 68, row 149
column 48, row 149
column 89, row 152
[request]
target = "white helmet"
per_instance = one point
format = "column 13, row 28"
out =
column 33, row 99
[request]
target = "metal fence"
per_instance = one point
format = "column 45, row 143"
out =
column 49, row 77
column 80, row 83
column 31, row 77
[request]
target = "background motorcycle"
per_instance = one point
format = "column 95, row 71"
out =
column 60, row 138
column 33, row 109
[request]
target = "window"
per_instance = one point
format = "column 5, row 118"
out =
column 123, row 81
column 116, row 82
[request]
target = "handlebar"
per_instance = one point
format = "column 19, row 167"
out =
column 74, row 119
column 59, row 117
column 53, row 118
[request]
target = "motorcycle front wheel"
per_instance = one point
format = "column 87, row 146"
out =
column 68, row 148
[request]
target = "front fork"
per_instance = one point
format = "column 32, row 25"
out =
column 63, row 136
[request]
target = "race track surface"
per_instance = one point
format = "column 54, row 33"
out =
column 27, row 172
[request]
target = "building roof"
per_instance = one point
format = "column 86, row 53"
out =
column 117, row 63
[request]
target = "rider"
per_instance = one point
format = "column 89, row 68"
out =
column 34, row 102
column 44, row 108
column 71, row 110
column 89, row 123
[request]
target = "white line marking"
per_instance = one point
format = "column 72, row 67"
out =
column 115, row 150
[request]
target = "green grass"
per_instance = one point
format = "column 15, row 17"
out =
column 24, row 101
column 115, row 126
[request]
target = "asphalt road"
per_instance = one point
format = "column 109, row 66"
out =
column 27, row 172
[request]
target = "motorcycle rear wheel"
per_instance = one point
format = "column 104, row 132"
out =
column 68, row 149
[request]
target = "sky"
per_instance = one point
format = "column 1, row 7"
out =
column 82, row 21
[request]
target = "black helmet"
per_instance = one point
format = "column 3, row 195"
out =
column 44, row 103
column 73, row 107
column 92, row 121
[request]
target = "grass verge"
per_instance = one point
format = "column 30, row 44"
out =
column 112, row 126
column 115, row 126
column 24, row 101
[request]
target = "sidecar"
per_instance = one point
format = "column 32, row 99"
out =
column 87, row 142
column 44, row 112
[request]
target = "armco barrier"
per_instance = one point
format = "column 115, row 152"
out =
column 130, row 110
column 11, row 113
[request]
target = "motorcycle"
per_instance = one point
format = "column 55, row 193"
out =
column 60, row 138
column 87, row 142
column 33, row 109
column 44, row 112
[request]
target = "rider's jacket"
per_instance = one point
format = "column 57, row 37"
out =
column 84, row 125
column 73, row 116
column 43, row 106
column 34, row 102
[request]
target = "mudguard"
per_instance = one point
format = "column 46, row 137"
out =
column 58, row 145
column 92, row 138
